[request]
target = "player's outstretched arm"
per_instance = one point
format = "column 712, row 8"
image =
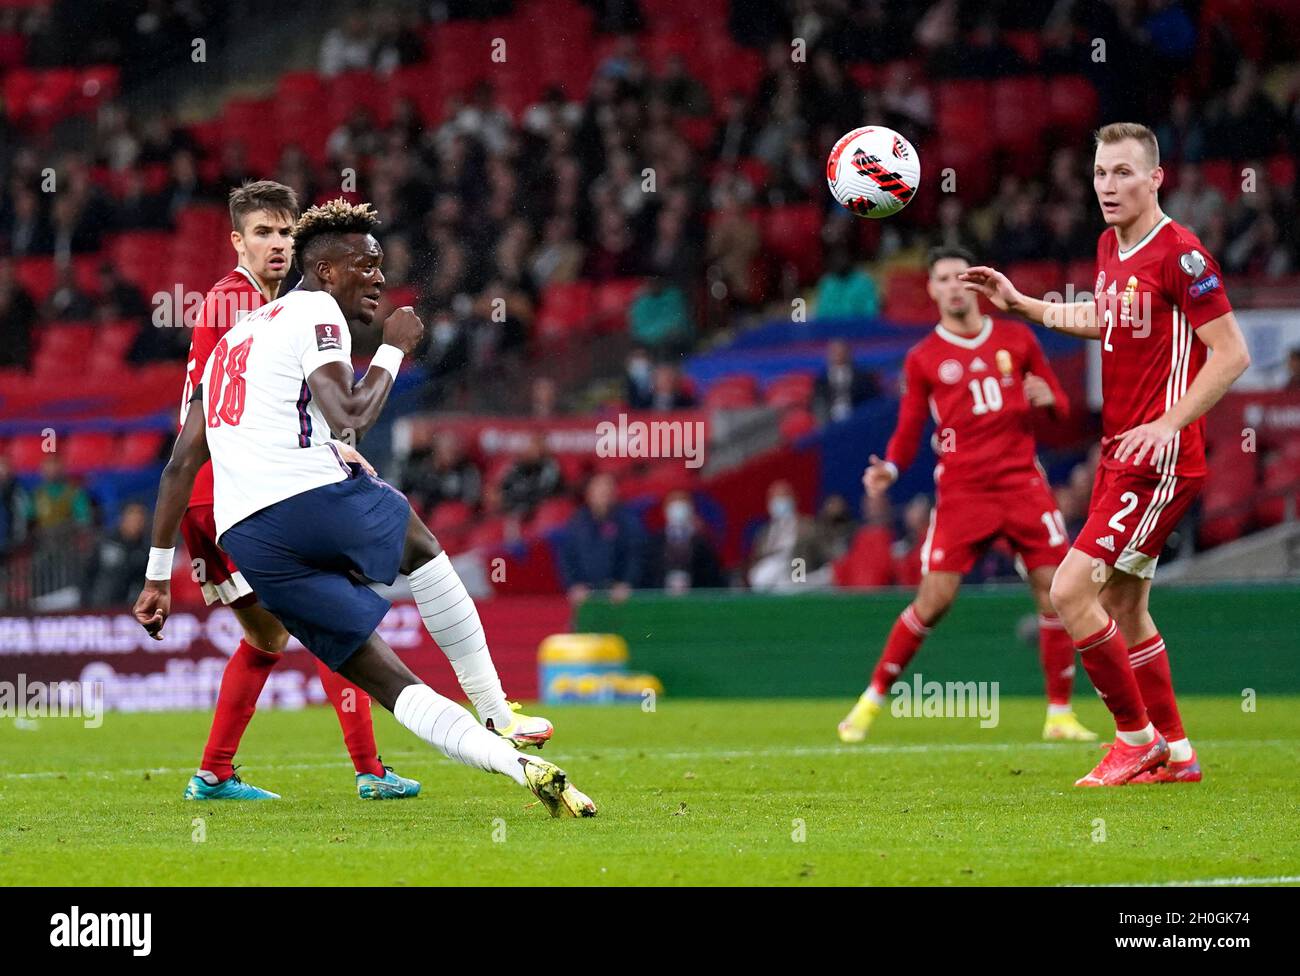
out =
column 1078, row 319
column 1228, row 360
column 354, row 406
column 189, row 454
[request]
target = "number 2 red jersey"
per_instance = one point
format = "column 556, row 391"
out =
column 974, row 389
column 230, row 299
column 1150, row 300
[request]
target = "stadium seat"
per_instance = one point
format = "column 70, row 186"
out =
column 87, row 452
column 906, row 298
column 962, row 113
column 139, row 448
column 27, row 453
column 487, row 534
column 1037, row 278
column 796, row 423
column 610, row 302
column 1072, row 103
column 62, row 350
column 793, row 390
column 140, row 257
column 732, row 393
column 1281, row 171
column 1224, row 176
column 1019, row 117
column 794, row 235
column 566, row 309
column 449, row 516
column 109, row 347
column 551, row 514
column 36, row 274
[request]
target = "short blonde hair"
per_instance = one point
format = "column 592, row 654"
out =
column 1119, row 131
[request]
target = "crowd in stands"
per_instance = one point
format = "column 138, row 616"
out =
column 688, row 188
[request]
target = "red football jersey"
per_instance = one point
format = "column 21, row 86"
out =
column 973, row 387
column 1150, row 300
column 230, row 299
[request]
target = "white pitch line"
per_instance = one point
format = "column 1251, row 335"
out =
column 1238, row 882
column 624, row 752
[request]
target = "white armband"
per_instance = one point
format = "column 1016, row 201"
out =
column 160, row 564
column 389, row 358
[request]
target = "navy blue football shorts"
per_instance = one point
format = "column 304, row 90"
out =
column 310, row 556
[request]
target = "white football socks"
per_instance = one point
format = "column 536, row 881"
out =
column 1139, row 738
column 1180, row 750
column 452, row 731
column 452, row 620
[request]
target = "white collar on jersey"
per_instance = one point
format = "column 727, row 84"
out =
column 248, row 275
column 1124, row 255
column 966, row 342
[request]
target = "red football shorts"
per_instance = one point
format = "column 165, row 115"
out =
column 1133, row 511
column 216, row 572
column 964, row 523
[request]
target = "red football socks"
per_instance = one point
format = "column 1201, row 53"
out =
column 1105, row 658
column 241, row 683
column 352, row 705
column 905, row 639
column 1150, row 666
column 1056, row 652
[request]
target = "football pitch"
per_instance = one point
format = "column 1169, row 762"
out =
column 694, row 792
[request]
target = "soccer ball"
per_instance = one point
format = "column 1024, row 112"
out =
column 873, row 171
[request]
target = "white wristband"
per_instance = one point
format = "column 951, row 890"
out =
column 160, row 564
column 892, row 468
column 389, row 358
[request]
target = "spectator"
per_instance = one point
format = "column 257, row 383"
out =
column 659, row 318
column 443, row 474
column 534, row 477
column 868, row 560
column 118, row 298
column 1021, row 235
column 906, row 551
column 787, row 551
column 15, row 509
column 25, row 226
column 842, row 387
column 680, row 91
column 845, row 290
column 559, row 259
column 639, row 379
column 836, row 526
column 1195, row 201
column 733, row 247
column 119, row 559
column 1293, row 369
column 544, row 396
column 67, row 302
column 58, row 504
column 682, row 557
column 17, row 317
column 603, row 545
column 669, row 392
column 347, row 48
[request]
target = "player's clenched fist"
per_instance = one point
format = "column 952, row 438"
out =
column 1038, row 392
column 404, row 329
column 878, row 476
column 154, row 606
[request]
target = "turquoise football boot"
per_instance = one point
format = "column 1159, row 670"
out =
column 388, row 787
column 232, row 788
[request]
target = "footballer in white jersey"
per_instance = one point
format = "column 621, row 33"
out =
column 309, row 530
column 267, row 437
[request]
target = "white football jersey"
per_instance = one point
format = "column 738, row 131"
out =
column 268, row 440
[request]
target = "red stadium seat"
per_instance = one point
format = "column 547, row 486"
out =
column 486, row 535
column 1037, row 278
column 141, row 258
column 1281, row 171
column 796, row 424
column 139, row 448
column 36, row 274
column 1072, row 103
column 86, row 452
column 610, row 302
column 448, row 517
column 566, row 309
column 63, row 350
column 551, row 514
column 906, row 298
column 962, row 110
column 732, row 393
column 109, row 346
column 27, row 453
column 793, row 390
column 1224, row 176
column 1019, row 117
column 794, row 235
column 1082, row 274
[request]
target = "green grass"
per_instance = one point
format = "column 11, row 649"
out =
column 697, row 792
